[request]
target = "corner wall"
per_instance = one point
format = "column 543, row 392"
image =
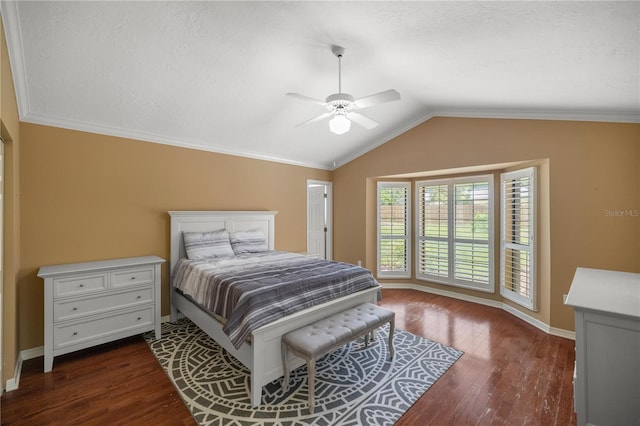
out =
column 10, row 130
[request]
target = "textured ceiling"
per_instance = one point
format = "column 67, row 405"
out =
column 213, row 75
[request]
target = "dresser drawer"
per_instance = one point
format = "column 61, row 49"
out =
column 77, row 308
column 101, row 328
column 133, row 276
column 79, row 284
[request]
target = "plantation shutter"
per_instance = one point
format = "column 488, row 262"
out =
column 471, row 239
column 455, row 232
column 433, row 230
column 517, row 251
column 393, row 229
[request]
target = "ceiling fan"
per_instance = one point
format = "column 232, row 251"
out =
column 342, row 106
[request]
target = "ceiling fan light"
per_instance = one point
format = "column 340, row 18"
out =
column 339, row 124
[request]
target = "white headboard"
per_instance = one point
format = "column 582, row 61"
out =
column 201, row 221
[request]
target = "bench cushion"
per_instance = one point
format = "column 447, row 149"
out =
column 323, row 336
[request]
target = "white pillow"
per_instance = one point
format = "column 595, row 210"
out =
column 203, row 245
column 251, row 241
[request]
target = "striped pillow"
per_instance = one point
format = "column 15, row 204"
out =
column 203, row 245
column 251, row 241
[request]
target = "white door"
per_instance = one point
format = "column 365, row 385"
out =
column 318, row 219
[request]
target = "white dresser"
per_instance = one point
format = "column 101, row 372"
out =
column 90, row 303
column 607, row 377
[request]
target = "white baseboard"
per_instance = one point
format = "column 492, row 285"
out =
column 32, row 353
column 567, row 334
column 12, row 384
column 560, row 332
column 460, row 296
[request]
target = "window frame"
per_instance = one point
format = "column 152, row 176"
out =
column 450, row 279
column 407, row 236
column 529, row 302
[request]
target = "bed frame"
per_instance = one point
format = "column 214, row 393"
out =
column 262, row 355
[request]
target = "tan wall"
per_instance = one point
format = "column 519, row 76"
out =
column 10, row 130
column 87, row 197
column 592, row 169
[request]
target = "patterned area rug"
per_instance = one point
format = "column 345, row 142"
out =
column 355, row 385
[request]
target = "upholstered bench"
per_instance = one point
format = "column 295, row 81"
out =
column 317, row 339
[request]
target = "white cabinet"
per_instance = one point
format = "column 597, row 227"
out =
column 607, row 376
column 90, row 303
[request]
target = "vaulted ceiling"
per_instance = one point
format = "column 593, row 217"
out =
column 213, row 75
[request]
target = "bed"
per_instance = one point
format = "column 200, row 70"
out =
column 261, row 352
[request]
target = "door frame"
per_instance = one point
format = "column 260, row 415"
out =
column 329, row 213
column 2, row 196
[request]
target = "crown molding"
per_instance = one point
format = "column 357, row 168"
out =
column 11, row 23
column 154, row 138
column 555, row 115
column 613, row 117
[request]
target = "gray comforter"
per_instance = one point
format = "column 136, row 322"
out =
column 251, row 290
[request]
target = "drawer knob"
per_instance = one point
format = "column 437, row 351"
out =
column 81, row 285
column 75, row 333
column 133, row 278
column 139, row 318
column 75, row 309
column 139, row 297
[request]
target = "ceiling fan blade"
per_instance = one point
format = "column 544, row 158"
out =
column 306, row 98
column 360, row 119
column 318, row 118
column 379, row 98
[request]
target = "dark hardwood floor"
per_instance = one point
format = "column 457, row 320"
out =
column 510, row 374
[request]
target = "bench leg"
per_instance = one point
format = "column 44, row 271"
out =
column 392, row 328
column 311, row 374
column 370, row 336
